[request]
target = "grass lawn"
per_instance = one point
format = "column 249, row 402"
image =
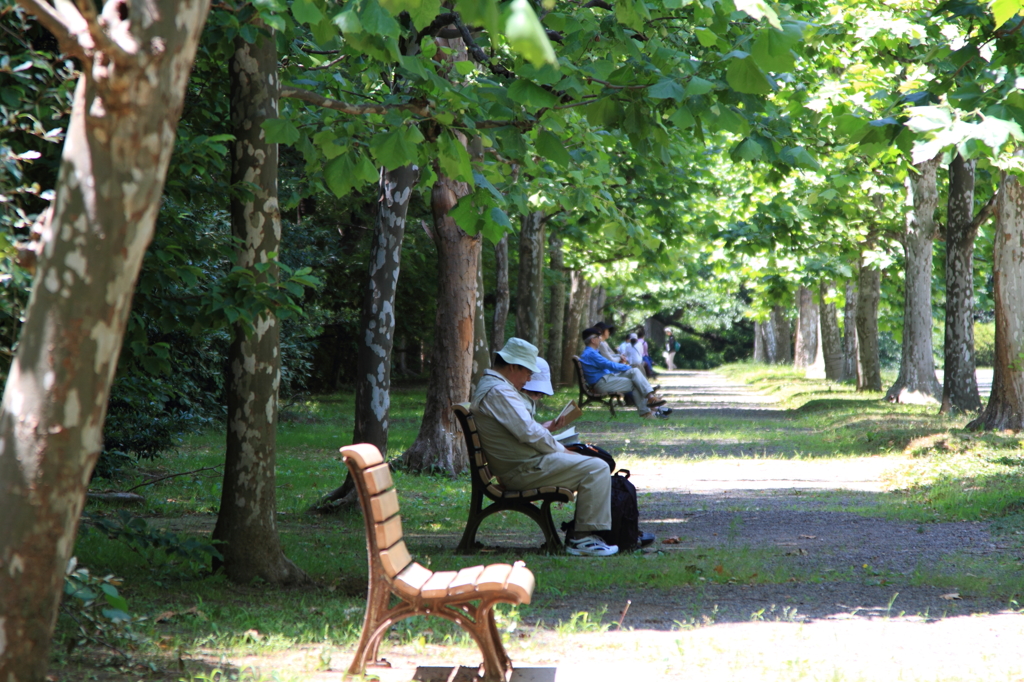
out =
column 187, row 615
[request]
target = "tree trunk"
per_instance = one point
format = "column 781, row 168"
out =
column 916, row 382
column 246, row 523
column 806, row 329
column 530, row 294
column 556, row 323
column 770, row 340
column 783, row 335
column 595, row 308
column 831, row 349
column 439, row 444
column 851, row 352
column 760, row 355
column 960, row 385
column 869, row 291
column 112, row 170
column 1005, row 409
column 579, row 302
column 501, row 296
column 373, row 358
column 481, row 353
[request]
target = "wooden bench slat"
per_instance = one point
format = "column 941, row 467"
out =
column 411, row 580
column 465, row 581
column 378, row 479
column 363, row 455
column 395, row 558
column 496, row 491
column 521, row 583
column 493, row 577
column 384, row 506
column 437, row 586
column 388, row 532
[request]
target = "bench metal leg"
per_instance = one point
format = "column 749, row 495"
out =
column 541, row 515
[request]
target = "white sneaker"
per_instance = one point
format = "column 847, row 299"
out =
column 590, row 546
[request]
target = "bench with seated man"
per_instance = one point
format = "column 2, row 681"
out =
column 607, row 376
column 524, row 455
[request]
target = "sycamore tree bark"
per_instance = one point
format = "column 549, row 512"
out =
column 916, row 382
column 556, row 318
column 775, row 337
column 831, row 349
column 1005, row 408
column 501, row 294
column 135, row 61
column 481, row 353
column 960, row 385
column 760, row 355
column 530, row 291
column 806, row 346
column 246, row 524
column 579, row 302
column 869, row 292
column 851, row 350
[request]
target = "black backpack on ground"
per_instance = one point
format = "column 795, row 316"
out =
column 625, row 531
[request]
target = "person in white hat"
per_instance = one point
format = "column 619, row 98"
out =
column 631, row 353
column 523, row 454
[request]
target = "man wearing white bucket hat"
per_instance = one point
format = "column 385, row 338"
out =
column 524, row 455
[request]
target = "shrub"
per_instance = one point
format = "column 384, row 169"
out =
column 984, row 344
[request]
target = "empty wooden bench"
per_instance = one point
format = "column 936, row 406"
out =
column 484, row 484
column 420, row 591
column 589, row 395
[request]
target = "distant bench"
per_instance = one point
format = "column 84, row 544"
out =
column 589, row 395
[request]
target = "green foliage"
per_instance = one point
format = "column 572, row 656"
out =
column 94, row 613
column 985, row 344
column 165, row 552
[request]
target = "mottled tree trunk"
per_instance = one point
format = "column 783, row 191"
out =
column 869, row 291
column 777, row 337
column 246, row 524
column 373, row 358
column 112, row 171
column 579, row 301
column 595, row 308
column 530, row 293
column 481, row 352
column 831, row 348
column 959, row 384
column 760, row 355
column 439, row 444
column 851, row 350
column 556, row 321
column 806, row 329
column 916, row 382
column 501, row 294
column 1005, row 408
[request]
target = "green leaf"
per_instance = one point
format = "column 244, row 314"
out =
column 1004, row 10
column 759, row 9
column 748, row 150
column 744, row 76
column 771, row 54
column 348, row 21
column 453, row 158
column 280, row 131
column 497, row 225
column 530, row 94
column 698, row 86
column 923, row 119
column 551, row 148
column 682, row 118
column 667, row 88
column 604, row 113
column 325, row 31
column 630, row 13
column 466, row 216
column 486, row 13
column 425, row 13
column 325, row 141
column 527, row 36
column 706, row 36
column 393, row 149
column 306, row 12
column 798, row 157
column 376, row 20
column 345, row 173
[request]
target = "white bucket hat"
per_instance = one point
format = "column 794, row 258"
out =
column 541, row 379
column 520, row 352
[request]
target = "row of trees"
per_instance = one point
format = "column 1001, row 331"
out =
column 639, row 149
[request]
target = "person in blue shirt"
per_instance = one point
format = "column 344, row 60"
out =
column 606, row 376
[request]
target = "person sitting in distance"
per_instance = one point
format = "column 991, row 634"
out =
column 613, row 377
column 524, row 455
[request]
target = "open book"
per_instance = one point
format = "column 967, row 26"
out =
column 568, row 437
column 571, row 412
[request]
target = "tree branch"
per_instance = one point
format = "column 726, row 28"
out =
column 104, row 44
column 164, row 478
column 54, row 23
column 599, row 3
column 986, row 211
column 354, row 109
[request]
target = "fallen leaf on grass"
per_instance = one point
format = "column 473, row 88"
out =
column 167, row 615
column 253, row 634
column 796, row 552
column 951, row 596
column 673, row 540
column 807, row 537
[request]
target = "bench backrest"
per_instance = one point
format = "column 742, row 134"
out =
column 478, row 467
column 385, row 547
column 584, row 386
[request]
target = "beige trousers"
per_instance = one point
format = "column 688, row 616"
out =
column 588, row 476
column 624, row 382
